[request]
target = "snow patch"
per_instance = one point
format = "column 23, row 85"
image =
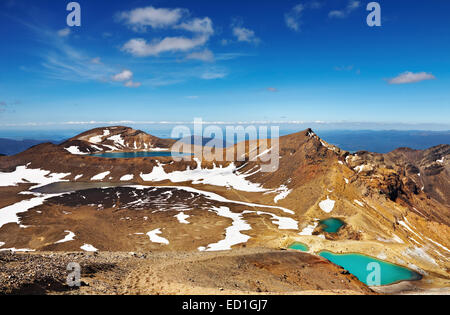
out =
column 217, row 176
column 216, row 197
column 307, row 231
column 9, row 214
column 75, row 150
column 439, row 245
column 127, row 178
column 98, row 139
column 23, row 174
column 419, row 254
column 283, row 193
column 397, row 239
column 118, row 141
column 327, row 205
column 101, row 176
column 69, row 237
column 23, row 250
column 182, row 218
column 88, row 248
column 233, row 234
column 153, row 235
column 359, row 203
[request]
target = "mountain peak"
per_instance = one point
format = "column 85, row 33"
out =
column 114, row 138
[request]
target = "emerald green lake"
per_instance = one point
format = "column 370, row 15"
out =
column 366, row 268
column 332, row 225
column 299, row 246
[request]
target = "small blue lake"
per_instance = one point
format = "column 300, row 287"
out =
column 332, row 225
column 299, row 246
column 371, row 271
column 141, row 154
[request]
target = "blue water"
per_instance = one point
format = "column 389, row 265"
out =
column 366, row 268
column 299, row 246
column 332, row 225
column 130, row 155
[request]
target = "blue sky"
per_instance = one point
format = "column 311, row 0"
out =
column 280, row 61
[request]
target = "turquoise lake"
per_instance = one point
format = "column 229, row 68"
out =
column 365, row 268
column 299, row 246
column 130, row 155
column 332, row 225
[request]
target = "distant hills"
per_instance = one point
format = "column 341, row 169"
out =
column 11, row 147
column 350, row 140
column 384, row 141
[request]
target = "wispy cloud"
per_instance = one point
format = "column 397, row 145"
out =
column 212, row 75
column 64, row 32
column 141, row 19
column 410, row 77
column 205, row 55
column 272, row 89
column 97, row 61
column 343, row 13
column 293, row 18
column 62, row 61
column 243, row 34
column 123, row 76
column 199, row 26
column 344, row 68
column 126, row 76
column 132, row 84
column 141, row 48
column 4, row 105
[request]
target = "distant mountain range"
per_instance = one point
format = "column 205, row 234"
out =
column 350, row 140
column 11, row 147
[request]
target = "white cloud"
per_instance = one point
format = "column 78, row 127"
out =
column 212, row 75
column 132, row 84
column 292, row 18
column 205, row 55
column 245, row 35
column 202, row 26
column 410, row 77
column 96, row 61
column 141, row 48
column 344, row 68
column 173, row 19
column 141, row 18
column 351, row 6
column 64, row 32
column 125, row 75
column 224, row 42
